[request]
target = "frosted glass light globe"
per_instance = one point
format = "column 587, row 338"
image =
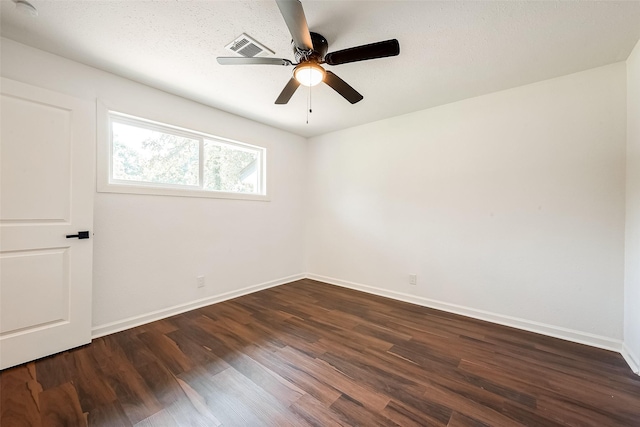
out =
column 309, row 74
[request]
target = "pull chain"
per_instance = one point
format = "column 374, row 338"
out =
column 309, row 110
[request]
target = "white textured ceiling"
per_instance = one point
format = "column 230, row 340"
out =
column 448, row 50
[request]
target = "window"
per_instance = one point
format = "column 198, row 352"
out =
column 154, row 158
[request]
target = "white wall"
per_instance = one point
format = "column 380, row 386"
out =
column 148, row 250
column 632, row 243
column 508, row 207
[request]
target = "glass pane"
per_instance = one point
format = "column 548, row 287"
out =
column 147, row 155
column 229, row 168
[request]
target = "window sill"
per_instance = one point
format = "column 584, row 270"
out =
column 179, row 192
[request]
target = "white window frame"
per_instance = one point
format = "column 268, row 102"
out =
column 107, row 184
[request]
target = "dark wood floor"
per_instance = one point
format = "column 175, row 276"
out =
column 309, row 353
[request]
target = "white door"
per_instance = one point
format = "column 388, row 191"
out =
column 46, row 193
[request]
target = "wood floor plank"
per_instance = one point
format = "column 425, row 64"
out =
column 354, row 413
column 89, row 380
column 132, row 392
column 199, row 411
column 234, row 401
column 20, row 397
column 315, row 413
column 178, row 414
column 468, row 405
column 348, row 387
column 224, row 407
column 159, row 419
column 280, row 337
column 197, row 353
column 306, row 381
column 167, row 351
column 312, row 354
column 459, row 420
column 109, row 415
column 55, row 371
column 266, row 379
column 60, row 406
column 161, row 383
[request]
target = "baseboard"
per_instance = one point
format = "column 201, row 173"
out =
column 527, row 325
column 131, row 322
column 632, row 360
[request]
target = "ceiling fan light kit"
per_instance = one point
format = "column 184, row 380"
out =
column 310, row 51
column 309, row 74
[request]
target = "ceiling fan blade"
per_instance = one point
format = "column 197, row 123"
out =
column 237, row 60
column 342, row 87
column 288, row 91
column 364, row 52
column 293, row 15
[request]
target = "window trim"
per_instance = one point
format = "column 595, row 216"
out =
column 106, row 183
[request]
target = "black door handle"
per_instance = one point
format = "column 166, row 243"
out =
column 80, row 235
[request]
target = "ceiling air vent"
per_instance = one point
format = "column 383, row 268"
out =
column 248, row 47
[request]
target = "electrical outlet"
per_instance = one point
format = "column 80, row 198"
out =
column 200, row 281
column 413, row 279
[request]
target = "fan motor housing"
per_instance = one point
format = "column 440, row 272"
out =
column 320, row 47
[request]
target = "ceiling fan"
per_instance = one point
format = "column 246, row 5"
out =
column 310, row 50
